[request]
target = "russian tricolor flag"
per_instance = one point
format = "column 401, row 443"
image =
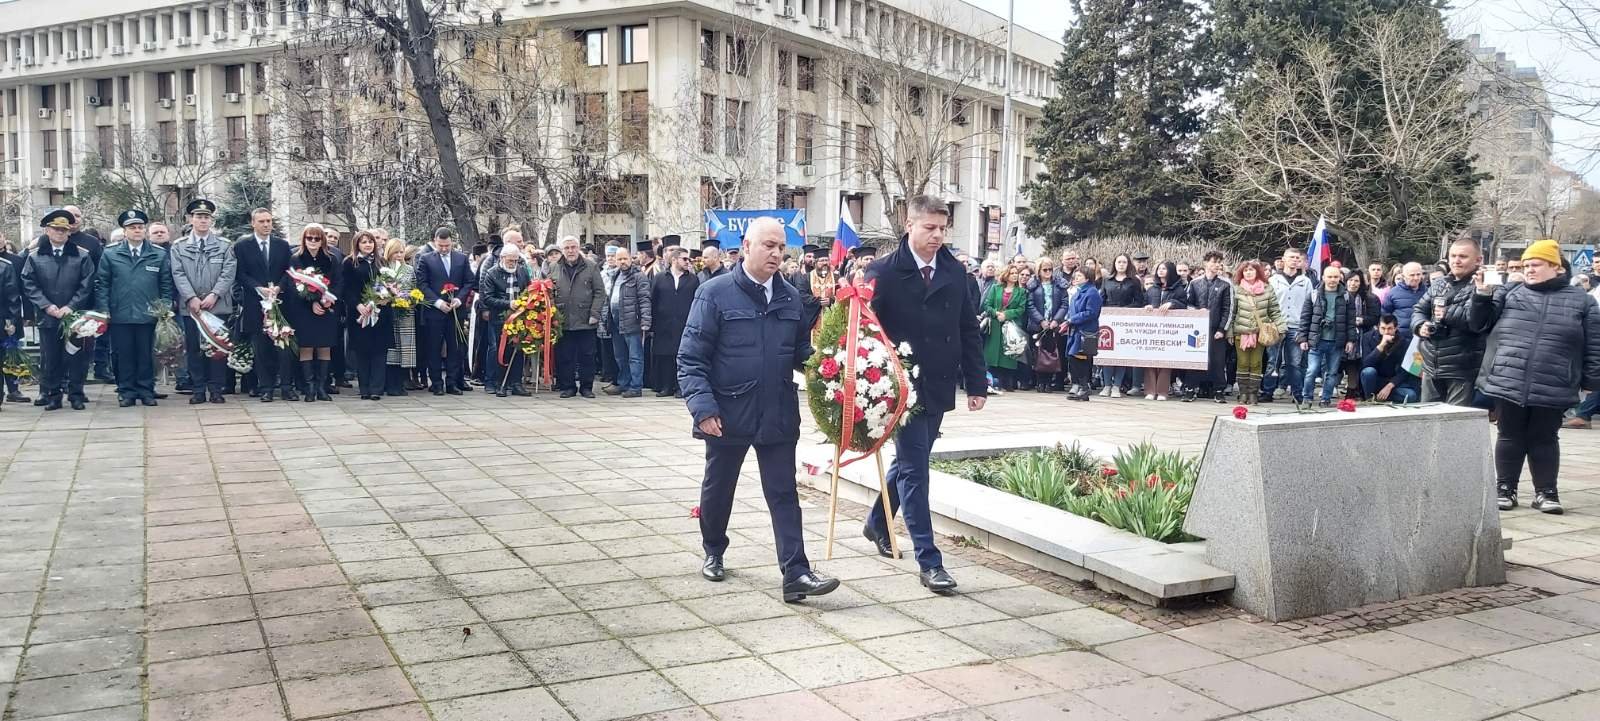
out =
column 845, row 238
column 1320, row 253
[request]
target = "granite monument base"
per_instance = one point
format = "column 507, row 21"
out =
column 1319, row 512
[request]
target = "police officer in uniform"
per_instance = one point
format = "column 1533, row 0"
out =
column 58, row 278
column 131, row 277
column 202, row 277
column 740, row 348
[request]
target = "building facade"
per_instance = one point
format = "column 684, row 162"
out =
column 1513, row 148
column 721, row 102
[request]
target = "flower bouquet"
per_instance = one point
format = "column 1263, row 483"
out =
column 376, row 296
column 168, row 335
column 311, row 285
column 273, row 324
column 17, row 363
column 532, row 327
column 859, row 384
column 216, row 341
column 83, row 324
column 405, row 303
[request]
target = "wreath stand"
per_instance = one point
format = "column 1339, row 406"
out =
column 883, row 497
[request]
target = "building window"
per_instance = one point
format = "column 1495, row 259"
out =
column 49, row 148
column 805, row 129
column 635, row 120
column 312, row 136
column 236, row 137
column 994, row 170
column 635, row 44
column 783, row 68
column 167, row 142
column 738, row 56
column 124, row 145
column 233, row 79
column 124, row 83
column 103, row 90
column 258, row 84
column 916, row 99
column 66, row 149
column 953, row 165
column 708, row 49
column 47, row 96
column 734, row 124
column 105, row 145
column 263, row 137
column 164, row 89
column 590, row 121
column 594, row 47
column 805, row 73
column 783, row 137
column 191, row 142
column 708, row 123
column 188, row 82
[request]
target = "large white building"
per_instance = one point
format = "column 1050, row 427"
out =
column 1513, row 147
column 82, row 77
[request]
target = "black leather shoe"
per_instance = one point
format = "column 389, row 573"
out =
column 78, row 404
column 454, row 391
column 882, row 542
column 663, row 394
column 502, row 393
column 938, row 580
column 809, row 583
column 161, row 396
column 266, row 397
column 711, row 570
column 52, row 404
column 520, row 391
column 218, row 399
column 147, row 401
column 197, row 398
column 18, row 398
column 41, row 401
column 125, row 403
column 290, row 394
column 586, row 393
column 568, row 393
column 438, row 391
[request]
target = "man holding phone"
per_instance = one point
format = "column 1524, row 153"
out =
column 1451, row 349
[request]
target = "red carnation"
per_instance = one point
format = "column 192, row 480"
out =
column 1348, row 405
column 858, row 414
column 829, row 368
column 873, row 375
column 838, row 397
column 694, row 512
column 1240, row 412
column 448, row 288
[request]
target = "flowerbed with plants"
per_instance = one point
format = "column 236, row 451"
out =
column 1143, row 490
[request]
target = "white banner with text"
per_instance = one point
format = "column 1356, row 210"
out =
column 1154, row 339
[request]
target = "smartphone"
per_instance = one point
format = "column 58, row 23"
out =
column 1492, row 277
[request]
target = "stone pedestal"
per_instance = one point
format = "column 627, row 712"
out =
column 1319, row 512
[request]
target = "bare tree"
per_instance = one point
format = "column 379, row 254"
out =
column 909, row 106
column 1375, row 141
column 156, row 170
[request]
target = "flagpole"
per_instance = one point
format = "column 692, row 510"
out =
column 1006, row 204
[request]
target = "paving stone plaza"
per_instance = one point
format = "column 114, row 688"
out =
column 478, row 559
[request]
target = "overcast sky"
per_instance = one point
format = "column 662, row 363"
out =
column 1513, row 26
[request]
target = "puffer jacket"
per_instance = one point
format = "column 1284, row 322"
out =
column 1543, row 342
column 1250, row 310
column 1455, row 350
column 1401, row 300
column 632, row 310
column 1314, row 314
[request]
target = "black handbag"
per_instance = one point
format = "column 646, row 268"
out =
column 1047, row 353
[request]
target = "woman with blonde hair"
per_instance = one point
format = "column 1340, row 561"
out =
column 402, row 353
column 315, row 323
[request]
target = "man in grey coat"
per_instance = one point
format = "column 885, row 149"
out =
column 627, row 316
column 581, row 297
column 202, row 277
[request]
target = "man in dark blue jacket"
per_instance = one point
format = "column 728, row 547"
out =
column 922, row 297
column 744, row 340
column 1383, row 362
column 439, row 318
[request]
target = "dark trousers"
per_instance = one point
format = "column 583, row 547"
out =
column 134, row 352
column 439, row 348
column 272, row 370
column 61, row 372
column 371, row 369
column 205, row 373
column 1454, row 391
column 1081, row 371
column 908, row 486
column 102, row 360
column 395, row 380
column 664, row 373
column 575, row 360
column 1528, row 433
column 507, row 375
column 608, row 361
column 776, row 462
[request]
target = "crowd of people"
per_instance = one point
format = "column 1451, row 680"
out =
column 1520, row 338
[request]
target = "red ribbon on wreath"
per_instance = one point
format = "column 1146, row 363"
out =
column 859, row 296
column 540, row 287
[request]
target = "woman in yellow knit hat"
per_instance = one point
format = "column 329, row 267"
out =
column 1544, row 344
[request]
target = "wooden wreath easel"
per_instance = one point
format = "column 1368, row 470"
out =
column 883, row 497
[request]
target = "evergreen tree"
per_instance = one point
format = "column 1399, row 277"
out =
column 1116, row 142
column 244, row 190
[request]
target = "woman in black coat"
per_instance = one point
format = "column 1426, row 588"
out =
column 315, row 322
column 671, row 293
column 1169, row 293
column 369, row 343
column 1544, row 344
column 1364, row 310
column 1121, row 288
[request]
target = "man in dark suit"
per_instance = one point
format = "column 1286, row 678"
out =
column 743, row 343
column 439, row 317
column 923, row 298
column 261, row 259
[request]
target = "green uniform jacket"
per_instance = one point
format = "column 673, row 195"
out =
column 1017, row 310
column 126, row 285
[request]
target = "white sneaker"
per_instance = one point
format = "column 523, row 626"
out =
column 1105, row 392
column 1161, row 398
column 1116, row 392
column 1149, row 398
